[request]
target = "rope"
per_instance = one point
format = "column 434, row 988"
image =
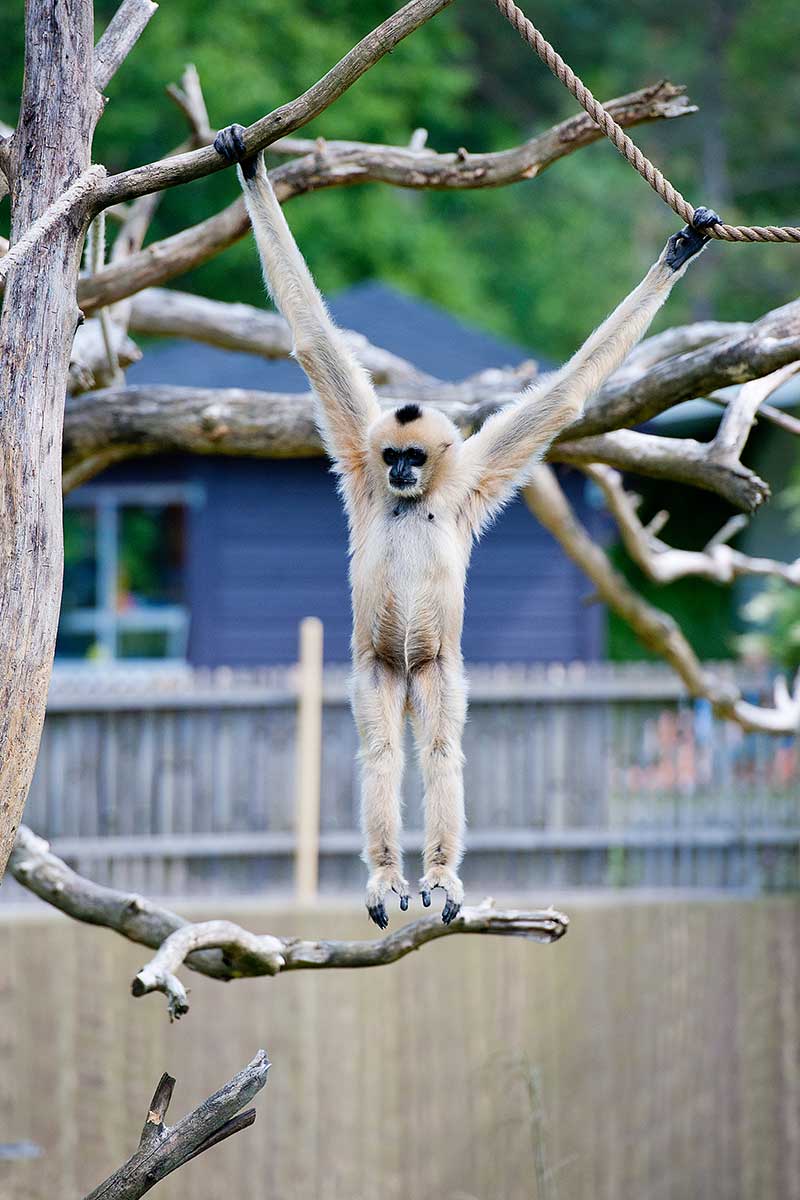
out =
column 84, row 185
column 628, row 149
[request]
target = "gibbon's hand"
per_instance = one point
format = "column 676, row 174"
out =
column 229, row 143
column 691, row 239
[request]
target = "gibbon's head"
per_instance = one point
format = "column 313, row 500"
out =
column 411, row 449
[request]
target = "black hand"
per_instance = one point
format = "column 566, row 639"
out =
column 229, row 143
column 691, row 239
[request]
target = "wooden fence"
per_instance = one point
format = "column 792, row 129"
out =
column 186, row 782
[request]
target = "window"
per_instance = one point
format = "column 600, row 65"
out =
column 125, row 573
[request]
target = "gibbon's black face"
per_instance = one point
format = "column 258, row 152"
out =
column 404, row 465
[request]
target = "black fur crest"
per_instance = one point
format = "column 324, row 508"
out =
column 407, row 414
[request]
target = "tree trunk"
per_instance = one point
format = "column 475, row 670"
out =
column 50, row 148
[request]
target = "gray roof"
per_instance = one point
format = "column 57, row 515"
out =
column 430, row 338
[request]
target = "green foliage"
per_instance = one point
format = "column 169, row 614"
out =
column 540, row 262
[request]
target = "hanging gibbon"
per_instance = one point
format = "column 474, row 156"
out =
column 417, row 496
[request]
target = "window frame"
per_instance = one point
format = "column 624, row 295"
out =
column 104, row 619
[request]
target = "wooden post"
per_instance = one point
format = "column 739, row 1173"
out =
column 309, row 760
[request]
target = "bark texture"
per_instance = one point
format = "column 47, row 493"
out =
column 50, row 148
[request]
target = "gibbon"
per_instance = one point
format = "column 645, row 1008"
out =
column 417, row 495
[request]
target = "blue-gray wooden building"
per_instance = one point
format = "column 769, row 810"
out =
column 216, row 560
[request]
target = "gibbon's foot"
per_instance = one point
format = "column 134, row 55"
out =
column 443, row 877
column 381, row 881
column 691, row 239
column 229, row 143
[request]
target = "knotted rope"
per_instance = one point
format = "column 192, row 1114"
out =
column 628, row 149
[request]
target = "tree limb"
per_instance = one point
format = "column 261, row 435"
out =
column 655, row 629
column 162, row 312
column 183, row 168
column 340, row 164
column 718, row 562
column 769, row 343
column 164, row 1148
column 120, row 36
column 224, row 950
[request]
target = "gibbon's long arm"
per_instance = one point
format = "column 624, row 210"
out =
column 343, row 388
column 497, row 457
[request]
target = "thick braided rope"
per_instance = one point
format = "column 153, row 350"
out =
column 82, row 186
column 628, row 149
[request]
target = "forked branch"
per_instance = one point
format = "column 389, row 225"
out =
column 163, row 1148
column 224, row 950
column 656, row 630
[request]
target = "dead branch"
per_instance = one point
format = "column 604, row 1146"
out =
column 769, row 343
column 120, row 36
column 164, row 1148
column 654, row 628
column 341, row 164
column 224, row 950
column 717, row 563
column 162, row 312
column 681, row 460
column 114, row 424
column 284, row 120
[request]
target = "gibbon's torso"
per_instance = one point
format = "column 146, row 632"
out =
column 408, row 570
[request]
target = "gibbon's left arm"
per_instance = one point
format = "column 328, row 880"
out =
column 495, row 459
column 347, row 401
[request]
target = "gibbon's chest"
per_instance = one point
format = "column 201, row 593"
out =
column 414, row 546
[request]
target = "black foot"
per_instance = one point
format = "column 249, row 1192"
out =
column 229, row 143
column 378, row 914
column 691, row 239
column 426, row 899
column 404, row 903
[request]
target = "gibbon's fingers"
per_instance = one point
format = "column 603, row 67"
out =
column 229, row 143
column 378, row 914
column 691, row 239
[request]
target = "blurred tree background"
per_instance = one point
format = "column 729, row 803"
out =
column 540, row 262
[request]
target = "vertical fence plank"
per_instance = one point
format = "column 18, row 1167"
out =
column 309, row 760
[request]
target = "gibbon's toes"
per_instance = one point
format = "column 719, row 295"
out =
column 230, row 143
column 378, row 914
column 451, row 886
column 404, row 903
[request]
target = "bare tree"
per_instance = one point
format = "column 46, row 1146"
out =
column 56, row 194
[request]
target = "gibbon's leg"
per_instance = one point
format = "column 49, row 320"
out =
column 379, row 705
column 438, row 697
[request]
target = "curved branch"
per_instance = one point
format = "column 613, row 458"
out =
column 184, row 167
column 656, row 630
column 224, row 950
column 344, row 164
column 682, row 460
column 166, row 312
column 769, row 343
column 717, row 563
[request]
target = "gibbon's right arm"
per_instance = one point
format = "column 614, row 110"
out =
column 347, row 400
column 512, row 440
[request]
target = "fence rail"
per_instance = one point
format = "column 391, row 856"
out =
column 181, row 781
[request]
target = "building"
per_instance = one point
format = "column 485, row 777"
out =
column 214, row 561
